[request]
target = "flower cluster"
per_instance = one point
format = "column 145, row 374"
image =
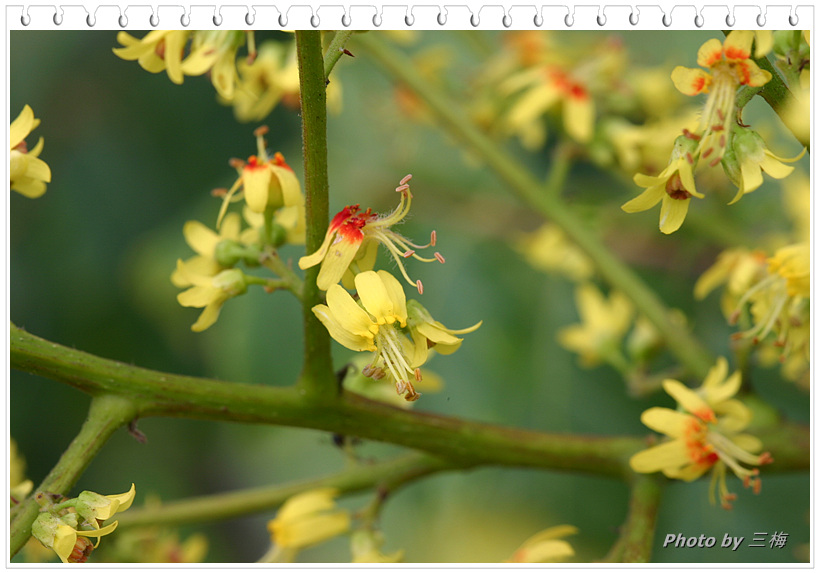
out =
column 705, row 435
column 382, row 319
column 28, row 173
column 274, row 214
column 720, row 137
column 65, row 525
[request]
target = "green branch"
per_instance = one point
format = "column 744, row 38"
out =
column 106, row 414
column 317, row 381
column 335, row 51
column 257, row 500
column 634, row 544
column 460, row 442
column 687, row 349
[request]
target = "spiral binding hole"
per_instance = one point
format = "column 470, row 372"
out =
column 699, row 20
column 409, row 20
column 249, row 19
column 25, row 19
column 506, row 20
column 57, row 19
column 633, row 18
column 569, row 20
column 90, row 20
column 761, row 20
column 441, row 18
column 283, row 21
column 185, row 20
column 346, row 20
column 793, row 19
column 538, row 20
column 474, row 21
column 377, row 20
column 122, row 20
column 314, row 21
column 601, row 19
column 217, row 19
column 154, row 20
column 730, row 19
column 667, row 20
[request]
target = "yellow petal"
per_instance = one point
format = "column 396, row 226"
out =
column 38, row 169
column 316, row 257
column 289, row 184
column 311, row 530
column 200, row 238
column 64, row 539
column 646, row 200
column 340, row 254
column 689, row 400
column 673, row 212
column 349, row 315
column 530, row 106
column 710, row 52
column 764, row 42
column 579, row 117
column 124, row 500
column 31, row 188
column 691, row 81
column 666, row 421
column 339, row 334
column 22, row 126
column 667, row 455
column 198, row 296
column 396, row 294
column 689, row 472
column 256, row 180
column 174, row 44
column 199, row 61
column 738, row 45
column 209, row 315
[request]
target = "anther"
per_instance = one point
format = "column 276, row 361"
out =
column 723, row 140
column 418, row 374
column 402, row 188
column 409, row 253
column 219, row 192
column 261, row 130
column 765, row 458
column 236, row 163
column 420, row 286
column 405, row 179
column 708, row 152
column 401, row 386
column 715, row 161
column 689, row 135
column 433, row 238
column 439, row 257
column 689, row 158
column 720, row 114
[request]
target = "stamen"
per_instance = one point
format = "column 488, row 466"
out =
column 418, row 374
column 219, row 192
column 402, row 188
column 433, row 238
column 261, row 130
column 236, row 163
column 707, row 153
column 401, row 386
column 689, row 158
column 715, row 161
column 405, row 179
column 439, row 257
column 420, row 286
column 409, row 253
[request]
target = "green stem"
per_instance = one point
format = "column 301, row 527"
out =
column 638, row 531
column 318, row 381
column 687, row 349
column 106, row 414
column 335, row 51
column 271, row 260
column 257, row 500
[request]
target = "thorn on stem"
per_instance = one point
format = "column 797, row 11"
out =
column 135, row 432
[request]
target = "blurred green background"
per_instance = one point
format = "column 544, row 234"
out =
column 134, row 156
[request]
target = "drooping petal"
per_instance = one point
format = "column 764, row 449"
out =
column 306, row 503
column 174, row 45
column 673, row 212
column 646, row 200
column 773, row 167
column 339, row 334
column 316, row 257
column 669, row 422
column 289, row 184
column 124, row 499
column 691, row 81
column 200, row 238
column 340, row 254
column 349, row 315
column 579, row 117
column 256, row 180
column 209, row 315
column 198, row 296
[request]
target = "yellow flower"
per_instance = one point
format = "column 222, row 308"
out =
column 705, row 435
column 730, row 67
column 374, row 326
column 603, row 325
column 210, row 293
column 351, row 243
column 753, row 158
column 429, row 334
column 65, row 525
column 268, row 183
column 543, row 88
column 548, row 249
column 271, row 77
column 28, row 173
column 205, row 242
column 739, row 268
column 215, row 51
column 674, row 186
column 307, row 519
column 158, row 50
column 20, row 487
column 545, row 546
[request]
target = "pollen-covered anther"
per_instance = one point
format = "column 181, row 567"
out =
column 420, row 286
column 402, row 188
column 433, row 238
column 236, row 163
column 408, row 253
column 417, row 374
column 688, row 134
column 439, row 257
column 401, row 386
column 261, row 130
column 219, row 192
column 405, row 179
column 765, row 458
